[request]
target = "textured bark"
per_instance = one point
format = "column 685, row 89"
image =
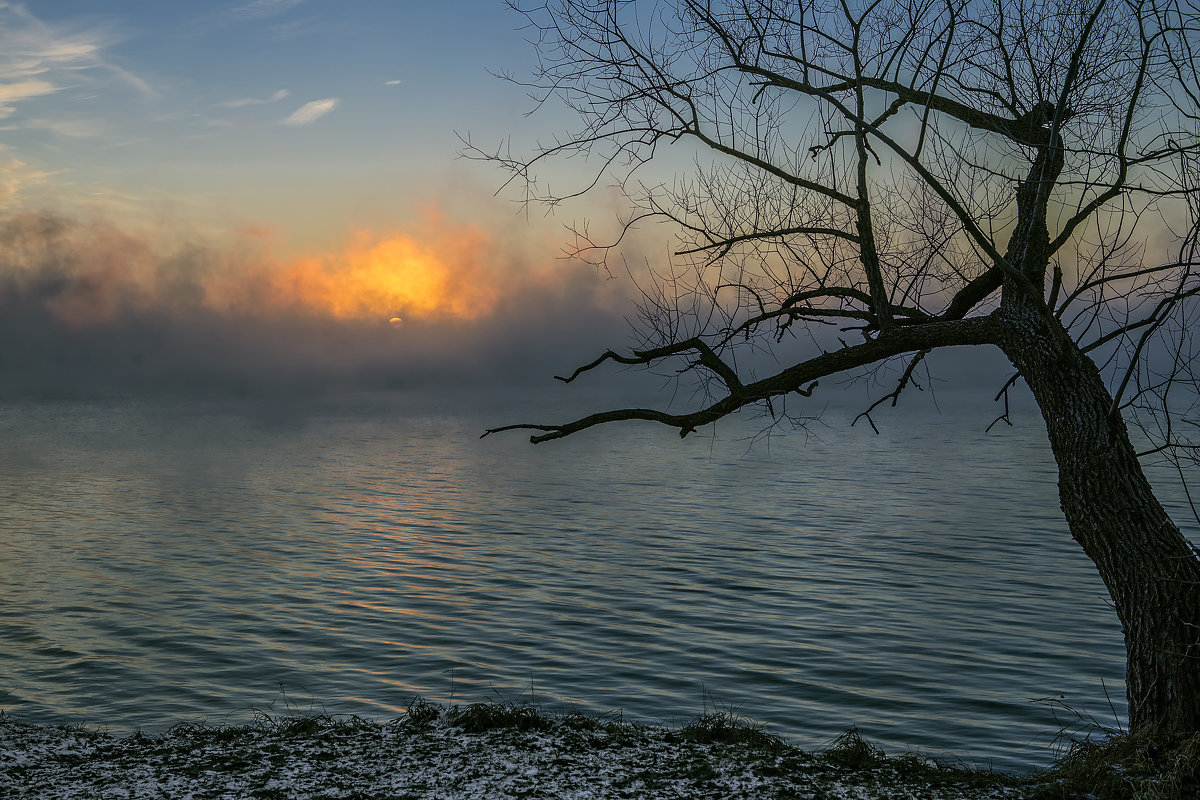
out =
column 1150, row 569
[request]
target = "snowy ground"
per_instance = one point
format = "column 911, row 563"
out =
column 434, row 753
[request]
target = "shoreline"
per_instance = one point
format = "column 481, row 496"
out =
column 498, row 751
column 483, row 750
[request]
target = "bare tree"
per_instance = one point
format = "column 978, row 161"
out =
column 1017, row 174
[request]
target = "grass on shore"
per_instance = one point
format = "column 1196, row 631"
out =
column 503, row 750
column 1126, row 767
column 1118, row 766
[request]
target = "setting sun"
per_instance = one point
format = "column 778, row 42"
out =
column 393, row 278
column 93, row 272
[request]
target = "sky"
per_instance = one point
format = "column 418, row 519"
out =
column 269, row 198
column 314, row 116
column 232, row 196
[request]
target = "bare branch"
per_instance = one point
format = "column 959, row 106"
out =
column 906, row 379
column 801, row 378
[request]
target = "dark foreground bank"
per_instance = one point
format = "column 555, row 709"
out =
column 504, row 751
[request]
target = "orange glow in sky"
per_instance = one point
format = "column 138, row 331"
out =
column 435, row 269
column 396, row 277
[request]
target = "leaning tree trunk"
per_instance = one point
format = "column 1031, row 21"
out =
column 1150, row 569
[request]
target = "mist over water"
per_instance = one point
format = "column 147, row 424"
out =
column 183, row 561
column 88, row 308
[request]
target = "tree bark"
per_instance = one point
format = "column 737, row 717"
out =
column 1152, row 572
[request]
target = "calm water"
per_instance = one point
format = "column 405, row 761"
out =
column 192, row 562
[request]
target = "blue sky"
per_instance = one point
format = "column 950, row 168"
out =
column 307, row 114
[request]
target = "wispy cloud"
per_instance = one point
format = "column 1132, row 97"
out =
column 16, row 177
column 255, row 101
column 37, row 59
column 133, row 80
column 17, row 91
column 71, row 127
column 31, row 47
column 261, row 9
column 312, row 111
column 392, row 83
column 292, row 29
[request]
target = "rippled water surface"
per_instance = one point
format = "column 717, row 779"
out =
column 191, row 562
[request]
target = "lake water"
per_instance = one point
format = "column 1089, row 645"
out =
column 161, row 563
